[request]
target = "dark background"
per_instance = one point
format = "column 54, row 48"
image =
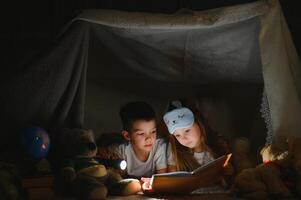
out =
column 29, row 27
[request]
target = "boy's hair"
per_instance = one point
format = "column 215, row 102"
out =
column 133, row 111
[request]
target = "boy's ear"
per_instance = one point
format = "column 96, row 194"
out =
column 126, row 134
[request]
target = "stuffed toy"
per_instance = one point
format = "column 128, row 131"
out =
column 277, row 177
column 104, row 141
column 83, row 173
column 295, row 148
column 9, row 187
column 242, row 157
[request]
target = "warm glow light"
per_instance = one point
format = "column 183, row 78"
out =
column 227, row 160
column 123, row 165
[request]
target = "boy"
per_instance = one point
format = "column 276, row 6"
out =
column 144, row 153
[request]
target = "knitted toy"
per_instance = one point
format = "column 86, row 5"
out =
column 278, row 176
column 9, row 183
column 84, row 175
column 242, row 157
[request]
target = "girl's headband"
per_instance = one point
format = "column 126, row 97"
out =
column 178, row 118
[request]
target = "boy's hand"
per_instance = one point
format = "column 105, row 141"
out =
column 145, row 184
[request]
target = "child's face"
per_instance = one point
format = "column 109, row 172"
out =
column 191, row 137
column 143, row 135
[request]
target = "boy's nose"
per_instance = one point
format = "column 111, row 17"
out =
column 148, row 137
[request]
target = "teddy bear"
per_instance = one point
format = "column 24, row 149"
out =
column 295, row 149
column 9, row 182
column 277, row 177
column 84, row 175
column 242, row 157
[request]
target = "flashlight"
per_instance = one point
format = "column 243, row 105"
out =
column 116, row 163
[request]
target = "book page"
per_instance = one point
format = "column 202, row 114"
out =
column 185, row 182
column 220, row 161
column 176, row 174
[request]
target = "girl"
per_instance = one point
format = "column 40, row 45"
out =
column 192, row 141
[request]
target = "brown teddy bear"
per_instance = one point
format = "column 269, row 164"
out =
column 278, row 176
column 83, row 173
column 242, row 157
column 295, row 149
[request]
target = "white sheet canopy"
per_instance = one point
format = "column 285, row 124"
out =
column 248, row 43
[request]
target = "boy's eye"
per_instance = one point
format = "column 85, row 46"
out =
column 154, row 132
column 140, row 133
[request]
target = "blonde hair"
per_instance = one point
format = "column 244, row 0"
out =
column 212, row 142
column 183, row 156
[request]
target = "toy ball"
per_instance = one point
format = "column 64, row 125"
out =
column 36, row 142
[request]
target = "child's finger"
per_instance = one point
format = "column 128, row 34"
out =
column 144, row 179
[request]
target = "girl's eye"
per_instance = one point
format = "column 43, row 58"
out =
column 186, row 131
column 140, row 133
column 177, row 136
column 154, row 132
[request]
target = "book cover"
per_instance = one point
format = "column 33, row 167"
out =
column 183, row 182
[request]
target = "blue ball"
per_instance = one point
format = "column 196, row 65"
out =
column 36, row 142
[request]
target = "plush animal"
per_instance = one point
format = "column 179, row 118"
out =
column 8, row 182
column 278, row 176
column 242, row 157
column 295, row 149
column 85, row 175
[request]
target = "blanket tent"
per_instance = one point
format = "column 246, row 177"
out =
column 238, row 61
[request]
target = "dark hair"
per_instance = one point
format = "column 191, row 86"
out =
column 133, row 111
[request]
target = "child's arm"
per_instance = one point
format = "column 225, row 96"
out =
column 171, row 164
column 171, row 168
column 160, row 171
column 160, row 158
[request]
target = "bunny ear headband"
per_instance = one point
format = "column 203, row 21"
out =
column 180, row 117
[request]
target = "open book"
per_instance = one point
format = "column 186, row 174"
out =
column 183, row 182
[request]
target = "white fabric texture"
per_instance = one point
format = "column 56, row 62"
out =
column 247, row 43
column 203, row 157
column 136, row 168
column 282, row 74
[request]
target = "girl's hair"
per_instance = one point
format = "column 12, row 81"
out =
column 183, row 156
